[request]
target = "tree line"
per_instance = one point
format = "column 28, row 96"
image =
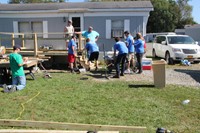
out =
column 167, row 16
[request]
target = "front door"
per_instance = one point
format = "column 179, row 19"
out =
column 77, row 20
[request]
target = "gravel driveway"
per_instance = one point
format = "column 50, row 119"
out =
column 178, row 75
column 175, row 74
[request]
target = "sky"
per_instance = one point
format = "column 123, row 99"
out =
column 194, row 3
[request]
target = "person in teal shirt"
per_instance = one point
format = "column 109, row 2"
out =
column 91, row 34
column 18, row 75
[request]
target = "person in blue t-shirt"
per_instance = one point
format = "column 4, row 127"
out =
column 121, row 57
column 91, row 34
column 93, row 49
column 131, row 49
column 139, row 49
column 72, row 53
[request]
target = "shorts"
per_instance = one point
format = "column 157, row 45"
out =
column 71, row 58
column 67, row 38
column 130, row 56
column 94, row 56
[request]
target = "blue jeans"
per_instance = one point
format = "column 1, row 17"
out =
column 19, row 81
column 120, row 59
column 139, row 57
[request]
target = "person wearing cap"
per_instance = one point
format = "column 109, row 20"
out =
column 131, row 50
column 18, row 75
column 72, row 53
column 90, row 33
column 68, row 31
column 121, row 57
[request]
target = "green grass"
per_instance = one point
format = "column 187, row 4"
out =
column 68, row 98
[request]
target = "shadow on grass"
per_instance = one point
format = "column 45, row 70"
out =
column 195, row 74
column 141, row 86
column 97, row 76
column 100, row 74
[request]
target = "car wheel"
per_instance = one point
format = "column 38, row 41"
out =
column 154, row 53
column 168, row 59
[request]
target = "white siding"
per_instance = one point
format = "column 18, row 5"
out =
column 45, row 29
column 127, row 25
column 15, row 28
column 108, row 29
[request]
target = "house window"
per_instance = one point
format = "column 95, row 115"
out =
column 33, row 27
column 117, row 28
column 36, row 27
column 24, row 27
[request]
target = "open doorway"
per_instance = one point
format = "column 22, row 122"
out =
column 77, row 20
column 76, row 23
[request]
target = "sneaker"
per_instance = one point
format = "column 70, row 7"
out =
column 139, row 72
column 127, row 71
column 72, row 71
column 116, row 76
column 13, row 88
column 5, row 88
column 121, row 74
column 96, row 69
column 88, row 69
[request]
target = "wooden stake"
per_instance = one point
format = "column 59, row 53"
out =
column 22, row 40
column 13, row 40
column 35, row 45
column 79, row 42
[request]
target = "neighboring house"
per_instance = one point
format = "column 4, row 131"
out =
column 150, row 36
column 110, row 19
column 180, row 31
column 191, row 30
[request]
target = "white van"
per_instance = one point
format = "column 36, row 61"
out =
column 174, row 47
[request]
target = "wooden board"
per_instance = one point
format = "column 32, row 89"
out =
column 26, row 65
column 69, row 126
column 47, row 131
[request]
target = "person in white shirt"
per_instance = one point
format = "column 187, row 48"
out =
column 68, row 32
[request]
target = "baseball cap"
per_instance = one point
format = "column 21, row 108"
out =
column 16, row 47
column 126, row 32
column 69, row 21
column 90, row 27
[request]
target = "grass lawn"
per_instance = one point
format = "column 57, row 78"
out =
column 73, row 98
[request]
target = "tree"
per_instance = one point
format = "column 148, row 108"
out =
column 34, row 1
column 164, row 18
column 186, row 13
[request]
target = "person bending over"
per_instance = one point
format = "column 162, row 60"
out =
column 93, row 49
column 121, row 57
